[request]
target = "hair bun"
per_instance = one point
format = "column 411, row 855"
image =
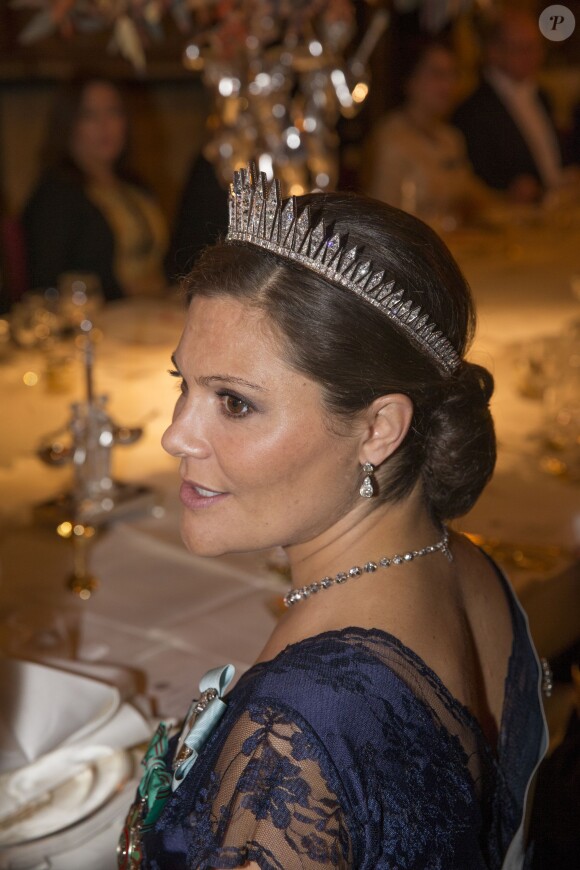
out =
column 460, row 449
column 476, row 380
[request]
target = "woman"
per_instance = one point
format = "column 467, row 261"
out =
column 87, row 213
column 417, row 161
column 393, row 718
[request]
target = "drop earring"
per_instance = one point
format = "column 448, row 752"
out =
column 367, row 489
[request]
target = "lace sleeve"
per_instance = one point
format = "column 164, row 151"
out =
column 267, row 800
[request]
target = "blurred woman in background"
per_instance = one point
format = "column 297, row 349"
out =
column 88, row 213
column 417, row 161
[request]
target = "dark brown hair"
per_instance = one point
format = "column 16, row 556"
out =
column 416, row 52
column 357, row 355
column 56, row 149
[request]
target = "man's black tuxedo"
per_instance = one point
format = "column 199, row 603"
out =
column 496, row 148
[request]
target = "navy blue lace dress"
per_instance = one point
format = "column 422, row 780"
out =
column 347, row 751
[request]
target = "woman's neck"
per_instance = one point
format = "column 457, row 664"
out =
column 363, row 536
column 421, row 119
column 97, row 172
column 355, row 540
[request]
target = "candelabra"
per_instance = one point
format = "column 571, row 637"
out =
column 96, row 498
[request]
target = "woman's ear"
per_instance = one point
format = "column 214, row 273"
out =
column 388, row 420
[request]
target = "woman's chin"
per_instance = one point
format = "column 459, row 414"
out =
column 201, row 548
column 199, row 544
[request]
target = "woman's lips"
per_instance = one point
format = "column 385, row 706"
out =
column 195, row 496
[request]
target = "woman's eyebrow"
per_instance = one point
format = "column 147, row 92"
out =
column 206, row 380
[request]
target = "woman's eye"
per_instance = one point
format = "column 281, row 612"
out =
column 234, row 406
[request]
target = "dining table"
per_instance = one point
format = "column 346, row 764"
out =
column 158, row 617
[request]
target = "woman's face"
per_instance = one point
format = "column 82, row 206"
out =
column 260, row 466
column 100, row 132
column 433, row 85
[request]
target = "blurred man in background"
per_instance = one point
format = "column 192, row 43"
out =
column 511, row 138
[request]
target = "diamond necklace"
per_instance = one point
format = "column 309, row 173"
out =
column 300, row 593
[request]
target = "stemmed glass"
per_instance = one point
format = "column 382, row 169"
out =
column 561, row 398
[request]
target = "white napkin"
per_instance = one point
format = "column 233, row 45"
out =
column 53, row 724
column 42, row 708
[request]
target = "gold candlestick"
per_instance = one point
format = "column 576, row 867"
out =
column 81, row 582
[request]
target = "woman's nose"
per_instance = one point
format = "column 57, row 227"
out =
column 184, row 436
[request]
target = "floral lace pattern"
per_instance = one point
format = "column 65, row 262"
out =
column 347, row 751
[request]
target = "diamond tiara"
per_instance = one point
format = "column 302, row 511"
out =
column 258, row 216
